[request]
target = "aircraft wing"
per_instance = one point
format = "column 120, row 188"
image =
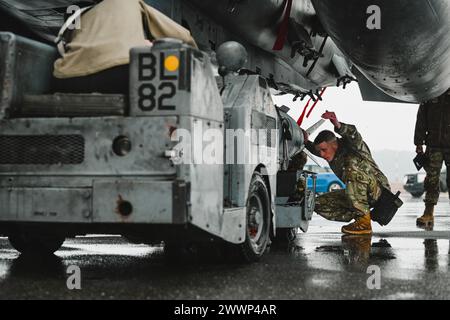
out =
column 369, row 92
column 401, row 46
column 301, row 46
column 406, row 58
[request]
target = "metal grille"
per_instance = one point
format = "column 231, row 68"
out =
column 271, row 124
column 48, row 149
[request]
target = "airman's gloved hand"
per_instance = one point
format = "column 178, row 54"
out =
column 332, row 117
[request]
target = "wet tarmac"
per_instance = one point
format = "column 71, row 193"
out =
column 399, row 261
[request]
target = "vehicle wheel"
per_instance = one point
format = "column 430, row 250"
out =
column 334, row 186
column 258, row 220
column 36, row 244
column 417, row 194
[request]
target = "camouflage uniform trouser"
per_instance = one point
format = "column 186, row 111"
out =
column 362, row 191
column 433, row 170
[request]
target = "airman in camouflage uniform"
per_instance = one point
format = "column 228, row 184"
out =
column 351, row 160
column 433, row 130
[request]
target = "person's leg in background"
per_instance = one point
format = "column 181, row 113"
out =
column 431, row 186
column 447, row 165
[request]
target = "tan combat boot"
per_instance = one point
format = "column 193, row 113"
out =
column 427, row 218
column 361, row 226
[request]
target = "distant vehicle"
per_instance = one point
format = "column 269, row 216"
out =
column 327, row 181
column 413, row 183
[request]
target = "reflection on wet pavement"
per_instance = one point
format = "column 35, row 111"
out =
column 49, row 267
column 321, row 264
column 431, row 255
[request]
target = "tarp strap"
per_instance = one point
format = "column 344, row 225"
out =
column 60, row 40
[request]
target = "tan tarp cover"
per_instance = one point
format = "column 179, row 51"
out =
column 108, row 32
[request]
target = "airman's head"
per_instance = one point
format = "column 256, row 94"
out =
column 326, row 145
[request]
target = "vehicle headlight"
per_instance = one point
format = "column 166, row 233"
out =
column 421, row 177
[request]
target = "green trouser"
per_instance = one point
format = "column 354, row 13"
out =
column 433, row 170
column 362, row 191
column 336, row 206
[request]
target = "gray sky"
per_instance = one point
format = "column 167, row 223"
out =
column 382, row 125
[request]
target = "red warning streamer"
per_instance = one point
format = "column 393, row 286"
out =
column 315, row 103
column 283, row 31
column 302, row 116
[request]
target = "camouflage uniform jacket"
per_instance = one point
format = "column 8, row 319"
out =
column 433, row 123
column 353, row 157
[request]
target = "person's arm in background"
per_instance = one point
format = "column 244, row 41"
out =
column 420, row 131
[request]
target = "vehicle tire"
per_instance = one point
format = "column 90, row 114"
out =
column 417, row 194
column 334, row 186
column 29, row 243
column 257, row 220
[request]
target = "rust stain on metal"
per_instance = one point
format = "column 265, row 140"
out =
column 119, row 202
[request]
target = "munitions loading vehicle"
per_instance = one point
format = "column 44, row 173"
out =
column 73, row 164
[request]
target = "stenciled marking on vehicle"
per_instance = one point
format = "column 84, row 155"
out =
column 150, row 97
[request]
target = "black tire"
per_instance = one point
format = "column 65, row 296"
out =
column 257, row 221
column 417, row 194
column 29, row 243
column 334, row 186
